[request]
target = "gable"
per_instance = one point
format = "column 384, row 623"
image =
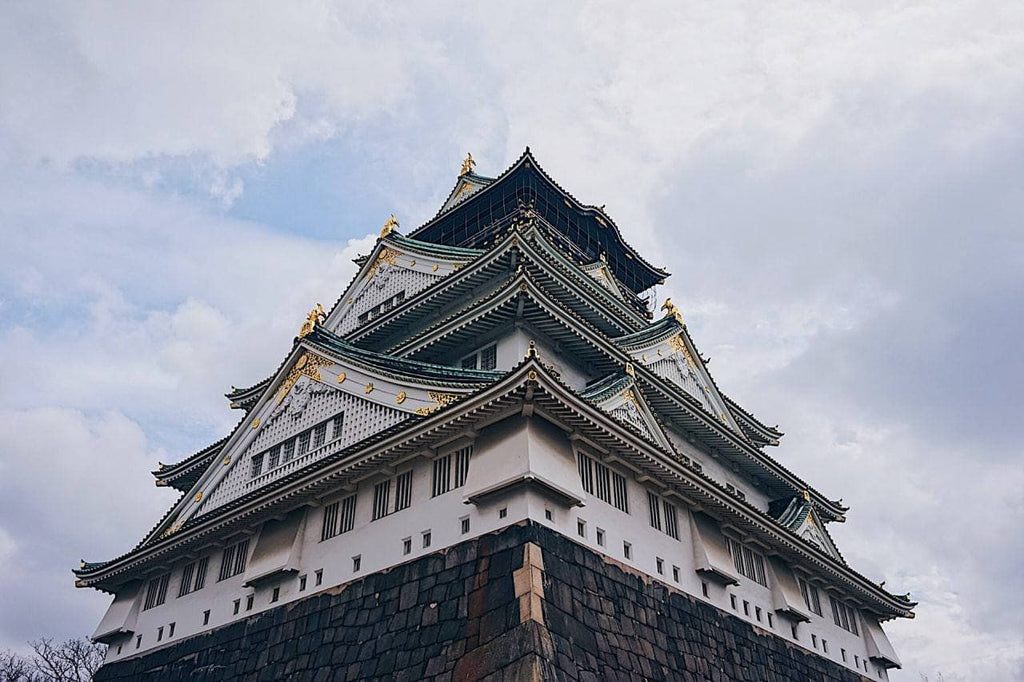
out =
column 319, row 403
column 467, row 185
column 619, row 396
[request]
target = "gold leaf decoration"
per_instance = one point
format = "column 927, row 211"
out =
column 308, row 365
column 439, row 399
column 400, row 398
column 388, row 255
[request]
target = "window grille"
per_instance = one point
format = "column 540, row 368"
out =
column 381, row 495
column 200, row 580
column 319, row 435
column 748, row 562
column 339, row 421
column 462, row 466
column 654, row 507
column 330, row 523
column 671, row 520
column 156, row 591
column 442, row 475
column 469, row 362
column 599, row 480
column 273, row 457
column 288, row 450
column 302, row 445
column 186, row 579
column 257, row 465
column 193, row 576
column 489, row 357
column 844, row 616
column 233, row 560
column 403, row 491
column 811, row 597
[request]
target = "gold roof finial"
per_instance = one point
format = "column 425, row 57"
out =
column 671, row 310
column 390, row 226
column 316, row 316
column 807, row 495
column 467, row 165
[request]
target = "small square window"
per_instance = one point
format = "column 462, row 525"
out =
column 771, row 623
column 503, row 512
column 547, row 514
column 627, row 550
column 843, row 652
column 464, row 524
column 407, row 546
column 426, row 538
column 581, row 528
column 732, row 601
column 746, row 608
column 206, row 617
column 248, row 602
column 275, row 595
column 302, row 583
column 814, row 641
column 757, row 613
column 119, row 648
column 160, row 633
column 357, row 563
column 319, row 577
column 600, row 537
column 856, row 660
column 824, row 645
column 138, row 641
column 660, row 563
column 170, row 630
column 238, row 605
column 703, row 586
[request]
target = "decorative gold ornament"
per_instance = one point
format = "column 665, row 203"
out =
column 439, row 399
column 628, row 396
column 670, row 309
column 677, row 345
column 199, row 497
column 629, row 370
column 390, row 226
column 412, row 263
column 351, row 300
column 400, row 398
column 467, row 165
column 227, row 461
column 341, row 377
column 316, row 316
column 387, row 255
column 82, row 564
column 434, row 269
column 256, row 423
column 531, row 352
column 369, row 387
column 308, row 365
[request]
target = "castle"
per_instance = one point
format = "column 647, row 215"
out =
column 496, row 394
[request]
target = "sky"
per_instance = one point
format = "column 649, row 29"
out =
column 837, row 188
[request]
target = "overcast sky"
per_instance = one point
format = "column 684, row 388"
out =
column 839, row 194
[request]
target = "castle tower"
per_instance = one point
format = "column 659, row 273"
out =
column 493, row 455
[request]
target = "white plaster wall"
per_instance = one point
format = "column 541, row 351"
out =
column 716, row 470
column 379, row 544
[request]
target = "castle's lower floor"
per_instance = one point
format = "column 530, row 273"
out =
column 524, row 603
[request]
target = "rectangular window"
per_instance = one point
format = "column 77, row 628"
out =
column 319, row 435
column 186, row 579
column 302, row 444
column 381, row 495
column 249, row 601
column 671, row 520
column 627, row 550
column 748, row 562
column 206, row 617
column 160, row 633
column 257, row 465
column 600, row 537
column 599, row 480
column 156, row 591
column 233, row 560
column 275, row 595
column 403, row 491
column 462, row 465
column 330, row 523
column 844, row 616
column 273, row 457
column 302, row 583
column 464, row 524
column 357, row 562
column 238, row 605
column 469, row 362
column 442, row 475
column 654, row 509
column 503, row 512
column 288, row 450
column 489, row 357
column 193, row 577
column 407, row 546
column 811, row 597
column 660, row 565
column 339, row 422
column 319, row 577
column 581, row 528
column 426, row 538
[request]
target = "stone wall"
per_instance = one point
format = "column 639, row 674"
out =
column 522, row 604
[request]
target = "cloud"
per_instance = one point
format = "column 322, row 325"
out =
column 835, row 188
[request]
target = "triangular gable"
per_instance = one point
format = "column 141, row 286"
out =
column 799, row 516
column 322, row 378
column 603, row 275
column 467, row 185
column 667, row 350
column 396, row 269
column 620, row 397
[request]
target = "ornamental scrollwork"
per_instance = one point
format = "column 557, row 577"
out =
column 439, row 399
column 307, row 365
